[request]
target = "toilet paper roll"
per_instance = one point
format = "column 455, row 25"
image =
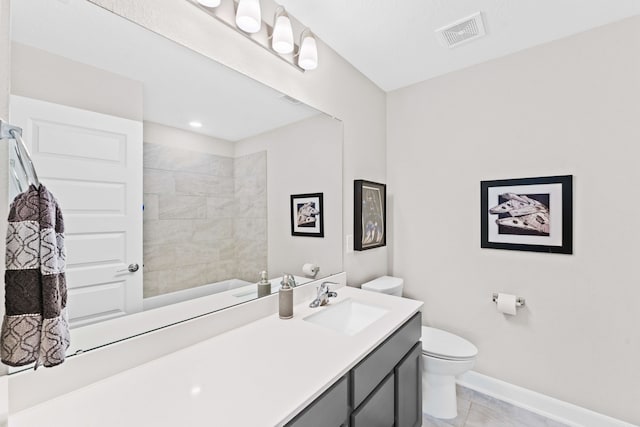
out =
column 310, row 269
column 506, row 304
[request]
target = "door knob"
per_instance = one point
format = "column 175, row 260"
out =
column 132, row 268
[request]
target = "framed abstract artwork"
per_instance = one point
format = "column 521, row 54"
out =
column 370, row 215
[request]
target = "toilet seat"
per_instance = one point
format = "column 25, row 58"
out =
column 447, row 346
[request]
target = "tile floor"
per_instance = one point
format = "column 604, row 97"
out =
column 479, row 410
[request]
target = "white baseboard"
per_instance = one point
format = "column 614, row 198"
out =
column 557, row 410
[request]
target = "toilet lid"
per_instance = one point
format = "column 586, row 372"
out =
column 446, row 345
column 384, row 284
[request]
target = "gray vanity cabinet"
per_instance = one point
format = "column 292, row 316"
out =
column 378, row 409
column 380, row 362
column 383, row 390
column 408, row 378
column 331, row 409
column 395, row 362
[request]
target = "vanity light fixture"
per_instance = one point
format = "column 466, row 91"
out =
column 282, row 36
column 209, row 3
column 308, row 54
column 249, row 16
column 195, row 124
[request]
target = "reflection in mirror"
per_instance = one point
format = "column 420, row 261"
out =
column 174, row 173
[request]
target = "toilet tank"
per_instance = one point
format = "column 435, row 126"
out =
column 386, row 285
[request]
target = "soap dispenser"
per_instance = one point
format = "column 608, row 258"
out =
column 264, row 285
column 285, row 296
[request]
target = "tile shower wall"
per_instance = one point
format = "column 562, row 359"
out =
column 250, row 215
column 191, row 221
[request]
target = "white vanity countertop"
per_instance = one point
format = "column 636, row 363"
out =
column 261, row 374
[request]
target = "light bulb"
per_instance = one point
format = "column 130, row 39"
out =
column 282, row 41
column 308, row 58
column 209, row 3
column 248, row 16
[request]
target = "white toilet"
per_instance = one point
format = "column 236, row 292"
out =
column 385, row 285
column 444, row 355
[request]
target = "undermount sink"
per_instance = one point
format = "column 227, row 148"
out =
column 348, row 317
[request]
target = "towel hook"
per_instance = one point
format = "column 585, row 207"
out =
column 9, row 131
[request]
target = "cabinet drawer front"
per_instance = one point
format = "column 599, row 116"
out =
column 368, row 374
column 329, row 410
column 378, row 410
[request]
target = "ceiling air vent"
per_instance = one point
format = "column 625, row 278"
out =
column 461, row 31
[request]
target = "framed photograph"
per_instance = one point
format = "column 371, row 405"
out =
column 306, row 215
column 528, row 214
column 370, row 215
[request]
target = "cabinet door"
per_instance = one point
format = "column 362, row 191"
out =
column 329, row 410
column 378, row 409
column 375, row 367
column 408, row 383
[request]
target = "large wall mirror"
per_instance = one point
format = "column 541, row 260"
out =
column 174, row 172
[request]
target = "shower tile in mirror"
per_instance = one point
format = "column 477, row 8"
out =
column 210, row 221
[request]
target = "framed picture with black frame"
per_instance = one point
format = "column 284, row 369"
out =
column 527, row 214
column 307, row 215
column 370, row 215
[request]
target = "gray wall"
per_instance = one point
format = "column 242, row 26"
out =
column 5, row 84
column 568, row 107
column 5, row 62
column 304, row 157
column 73, row 83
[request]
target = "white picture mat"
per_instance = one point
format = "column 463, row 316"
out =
column 555, row 214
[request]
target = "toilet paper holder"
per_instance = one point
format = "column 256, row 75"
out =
column 519, row 300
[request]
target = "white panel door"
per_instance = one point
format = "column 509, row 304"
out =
column 92, row 163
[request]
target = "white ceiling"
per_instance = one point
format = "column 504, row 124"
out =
column 393, row 43
column 179, row 85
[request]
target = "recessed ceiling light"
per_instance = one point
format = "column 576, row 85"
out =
column 195, row 124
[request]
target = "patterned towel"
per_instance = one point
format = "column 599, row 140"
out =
column 35, row 326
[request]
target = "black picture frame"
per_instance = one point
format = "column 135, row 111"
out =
column 307, row 217
column 370, row 215
column 527, row 214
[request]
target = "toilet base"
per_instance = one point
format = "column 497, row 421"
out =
column 439, row 395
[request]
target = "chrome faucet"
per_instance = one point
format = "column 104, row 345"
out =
column 323, row 295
